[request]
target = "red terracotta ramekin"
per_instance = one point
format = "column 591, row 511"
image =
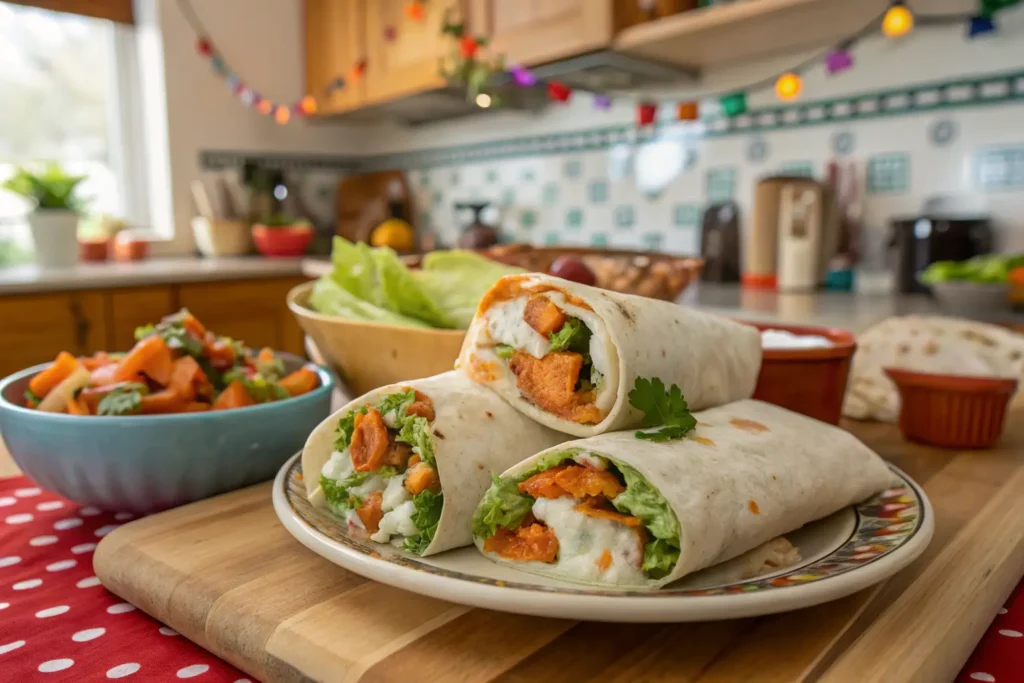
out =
column 807, row 381
column 952, row 411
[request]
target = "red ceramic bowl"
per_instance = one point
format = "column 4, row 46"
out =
column 807, row 381
column 282, row 241
column 952, row 411
column 93, row 250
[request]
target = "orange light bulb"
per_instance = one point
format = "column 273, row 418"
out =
column 788, row 86
column 264, row 107
column 898, row 21
column 308, row 105
column 282, row 114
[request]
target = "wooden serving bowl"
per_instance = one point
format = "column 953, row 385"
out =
column 370, row 355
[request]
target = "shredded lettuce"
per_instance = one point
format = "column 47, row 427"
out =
column 397, row 402
column 426, row 517
column 336, row 491
column 503, row 505
column 415, row 431
column 642, row 500
column 574, row 336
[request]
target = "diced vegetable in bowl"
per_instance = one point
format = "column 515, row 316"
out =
column 185, row 414
column 176, row 366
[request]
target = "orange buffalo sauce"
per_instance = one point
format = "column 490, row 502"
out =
column 512, row 286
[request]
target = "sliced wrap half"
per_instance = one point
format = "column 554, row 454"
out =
column 617, row 510
column 408, row 463
column 567, row 355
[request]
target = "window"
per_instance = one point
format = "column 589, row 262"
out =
column 65, row 85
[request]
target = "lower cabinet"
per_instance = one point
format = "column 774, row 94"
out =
column 36, row 327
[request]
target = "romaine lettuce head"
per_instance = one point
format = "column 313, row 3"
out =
column 330, row 298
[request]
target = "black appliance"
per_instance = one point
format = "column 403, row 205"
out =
column 720, row 243
column 922, row 240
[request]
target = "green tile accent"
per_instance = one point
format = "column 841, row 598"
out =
column 437, row 198
column 654, row 240
column 508, row 196
column 528, row 175
column 599, row 239
column 574, row 218
column 552, row 238
column 424, row 179
column 597, row 191
column 888, row 173
column 686, row 215
column 1000, row 168
column 798, row 168
column 528, row 219
column 491, row 176
column 454, row 178
column 551, row 194
column 573, row 168
column 720, row 184
column 624, row 217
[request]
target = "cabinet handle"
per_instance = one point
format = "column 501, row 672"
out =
column 82, row 326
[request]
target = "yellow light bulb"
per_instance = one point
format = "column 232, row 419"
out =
column 483, row 100
column 898, row 21
column 788, row 86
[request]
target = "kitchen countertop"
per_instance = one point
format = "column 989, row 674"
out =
column 30, row 279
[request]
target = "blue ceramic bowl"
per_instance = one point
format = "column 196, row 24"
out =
column 145, row 463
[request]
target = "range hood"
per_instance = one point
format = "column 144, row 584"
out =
column 603, row 71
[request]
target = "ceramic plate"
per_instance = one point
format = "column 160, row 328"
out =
column 842, row 554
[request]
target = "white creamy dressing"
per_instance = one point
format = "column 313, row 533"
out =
column 582, row 540
column 783, row 339
column 595, row 461
column 396, row 502
column 505, row 325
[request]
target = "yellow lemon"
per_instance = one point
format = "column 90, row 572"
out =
column 394, row 233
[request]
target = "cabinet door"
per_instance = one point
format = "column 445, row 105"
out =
column 536, row 31
column 39, row 326
column 409, row 63
column 335, row 41
column 251, row 311
column 131, row 308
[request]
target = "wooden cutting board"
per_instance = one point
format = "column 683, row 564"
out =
column 224, row 573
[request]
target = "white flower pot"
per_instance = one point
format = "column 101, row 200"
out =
column 55, row 233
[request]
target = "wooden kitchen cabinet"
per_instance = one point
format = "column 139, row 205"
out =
column 253, row 311
column 335, row 41
column 532, row 32
column 39, row 326
column 409, row 63
column 128, row 309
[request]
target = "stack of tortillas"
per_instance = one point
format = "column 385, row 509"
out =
column 944, row 346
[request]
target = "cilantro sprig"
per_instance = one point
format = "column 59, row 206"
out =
column 666, row 409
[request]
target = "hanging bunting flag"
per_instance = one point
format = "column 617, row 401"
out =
column 414, row 10
column 898, row 20
column 980, row 25
column 468, row 47
column 687, row 111
column 559, row 91
column 264, row 106
column 204, row 47
column 734, row 104
column 788, row 87
column 838, row 60
column 646, row 112
column 523, row 77
column 247, row 96
column 602, row 102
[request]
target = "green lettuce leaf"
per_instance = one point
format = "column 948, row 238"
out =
column 415, row 431
column 503, row 505
column 574, row 336
column 642, row 500
column 426, row 517
column 457, row 280
column 504, row 351
column 330, row 298
column 659, row 558
column 397, row 402
column 346, row 424
column 403, row 292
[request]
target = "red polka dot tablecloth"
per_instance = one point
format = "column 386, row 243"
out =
column 57, row 623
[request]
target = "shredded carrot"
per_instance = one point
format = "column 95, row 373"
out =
column 604, row 562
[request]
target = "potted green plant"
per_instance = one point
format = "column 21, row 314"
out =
column 54, row 221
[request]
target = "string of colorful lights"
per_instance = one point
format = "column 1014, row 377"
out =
column 465, row 67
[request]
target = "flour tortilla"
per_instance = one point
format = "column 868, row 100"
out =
column 796, row 471
column 931, row 344
column 713, row 360
column 476, row 435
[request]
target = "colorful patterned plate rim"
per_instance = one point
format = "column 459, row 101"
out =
column 851, row 550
